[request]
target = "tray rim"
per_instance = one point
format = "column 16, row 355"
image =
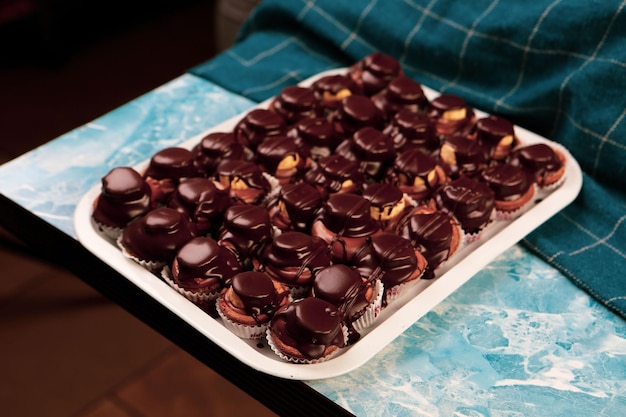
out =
column 431, row 292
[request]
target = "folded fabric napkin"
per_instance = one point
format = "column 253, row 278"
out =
column 557, row 68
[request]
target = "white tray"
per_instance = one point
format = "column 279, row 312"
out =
column 393, row 320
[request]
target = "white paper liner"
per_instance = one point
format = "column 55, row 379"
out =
column 372, row 311
column 513, row 214
column 196, row 297
column 153, row 266
column 398, row 291
column 243, row 331
column 110, row 232
column 272, row 345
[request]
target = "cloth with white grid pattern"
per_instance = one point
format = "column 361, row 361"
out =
column 557, row 68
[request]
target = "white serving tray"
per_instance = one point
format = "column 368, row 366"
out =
column 393, row 320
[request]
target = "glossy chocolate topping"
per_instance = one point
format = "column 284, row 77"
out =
column 246, row 228
column 469, row 156
column 246, row 171
column 310, row 325
column 446, row 102
column 257, row 125
column 171, row 163
column 490, row 130
column 375, row 71
column 370, row 144
column 470, row 201
column 401, row 92
column 383, row 195
column 411, row 164
column 348, row 215
column 343, row 287
column 214, row 148
column 315, row 133
column 431, row 234
column 202, row 259
column 157, row 235
column 295, row 102
column 295, row 249
column 408, row 129
column 201, row 200
column 124, row 196
column 257, row 293
column 301, row 202
column 331, row 173
column 330, row 89
column 507, row 181
column 388, row 257
column 274, row 149
column 540, row 159
column 356, row 112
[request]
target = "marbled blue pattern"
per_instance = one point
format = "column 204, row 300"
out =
column 518, row 339
column 51, row 179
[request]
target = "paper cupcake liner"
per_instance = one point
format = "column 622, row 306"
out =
column 153, row 266
column 372, row 311
column 109, row 232
column 243, row 331
column 398, row 291
column 513, row 214
column 203, row 300
column 270, row 341
column 274, row 188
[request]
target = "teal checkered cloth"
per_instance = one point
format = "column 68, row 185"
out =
column 557, row 68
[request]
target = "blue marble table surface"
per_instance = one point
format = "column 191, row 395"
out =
column 518, row 339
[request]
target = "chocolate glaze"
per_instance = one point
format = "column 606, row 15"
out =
column 202, row 201
column 469, row 156
column 355, row 112
column 248, row 172
column 470, row 201
column 258, row 124
column 348, row 215
column 296, row 102
column 371, row 148
column 310, row 325
column 410, row 165
column 316, row 135
column 508, row 182
column 489, row 131
column 389, row 257
column 293, row 249
column 387, row 199
column 157, row 235
column 408, row 129
column 448, row 102
column 331, row 172
column 257, row 293
column 375, row 71
column 214, row 148
column 296, row 206
column 124, row 197
column 343, row 287
column 401, row 93
column 246, row 230
column 539, row 159
column 431, row 234
column 171, row 163
column 201, row 260
column 330, row 89
column 274, row 149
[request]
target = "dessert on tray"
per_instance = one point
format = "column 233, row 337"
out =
column 324, row 206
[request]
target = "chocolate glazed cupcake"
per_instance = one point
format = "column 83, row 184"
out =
column 346, row 224
column 249, row 303
column 295, row 207
column 308, row 330
column 433, row 233
column 471, row 202
column 293, row 259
